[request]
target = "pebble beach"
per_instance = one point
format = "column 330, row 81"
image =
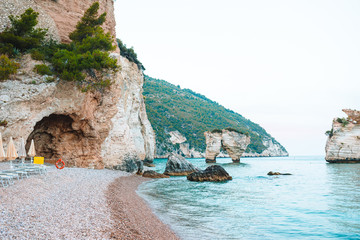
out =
column 77, row 203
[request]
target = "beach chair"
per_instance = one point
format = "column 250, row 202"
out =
column 8, row 178
column 4, row 181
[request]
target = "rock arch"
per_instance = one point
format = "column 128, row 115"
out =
column 234, row 143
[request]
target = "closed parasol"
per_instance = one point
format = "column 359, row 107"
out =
column 22, row 150
column 11, row 153
column 31, row 151
column 2, row 152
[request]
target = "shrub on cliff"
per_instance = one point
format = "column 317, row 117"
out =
column 22, row 35
column 7, row 67
column 129, row 53
column 343, row 121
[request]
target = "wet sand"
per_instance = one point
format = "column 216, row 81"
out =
column 132, row 216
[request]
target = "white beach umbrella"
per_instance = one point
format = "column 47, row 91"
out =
column 22, row 150
column 11, row 153
column 2, row 152
column 31, row 151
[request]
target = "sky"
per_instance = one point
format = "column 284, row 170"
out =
column 290, row 66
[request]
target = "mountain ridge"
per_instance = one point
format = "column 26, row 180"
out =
column 172, row 110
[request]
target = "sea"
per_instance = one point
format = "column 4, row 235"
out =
column 318, row 201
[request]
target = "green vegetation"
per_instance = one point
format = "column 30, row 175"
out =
column 171, row 108
column 22, row 35
column 330, row 133
column 129, row 53
column 3, row 123
column 37, row 55
column 84, row 60
column 343, row 121
column 87, row 53
column 42, row 69
column 7, row 67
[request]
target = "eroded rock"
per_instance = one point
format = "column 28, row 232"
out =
column 233, row 142
column 214, row 173
column 343, row 143
column 178, row 166
column 153, row 174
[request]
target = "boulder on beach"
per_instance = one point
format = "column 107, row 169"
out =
column 177, row 165
column 153, row 174
column 277, row 173
column 214, row 173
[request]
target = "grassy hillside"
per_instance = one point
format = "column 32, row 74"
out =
column 171, row 108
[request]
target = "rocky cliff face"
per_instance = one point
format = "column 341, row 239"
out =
column 343, row 143
column 233, row 142
column 85, row 129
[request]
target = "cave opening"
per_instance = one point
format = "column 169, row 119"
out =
column 60, row 136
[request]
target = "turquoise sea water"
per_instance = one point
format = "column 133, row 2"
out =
column 319, row 201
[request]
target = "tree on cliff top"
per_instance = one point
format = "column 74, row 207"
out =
column 22, row 35
column 87, row 53
column 89, row 24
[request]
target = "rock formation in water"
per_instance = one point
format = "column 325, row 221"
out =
column 271, row 173
column 153, row 174
column 343, row 143
column 214, row 173
column 84, row 129
column 233, row 142
column 178, row 166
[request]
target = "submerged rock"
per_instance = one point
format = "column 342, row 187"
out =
column 178, row 166
column 277, row 173
column 153, row 174
column 214, row 173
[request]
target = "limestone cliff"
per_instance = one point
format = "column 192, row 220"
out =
column 234, row 143
column 343, row 143
column 85, row 129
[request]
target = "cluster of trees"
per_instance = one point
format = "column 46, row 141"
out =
column 85, row 60
column 171, row 108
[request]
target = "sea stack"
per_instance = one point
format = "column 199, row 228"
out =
column 234, row 142
column 343, row 143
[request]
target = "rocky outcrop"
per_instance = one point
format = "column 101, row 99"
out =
column 213, row 145
column 271, row 173
column 233, row 142
column 273, row 149
column 343, row 143
column 178, row 166
column 170, row 144
column 84, row 129
column 153, row 174
column 214, row 173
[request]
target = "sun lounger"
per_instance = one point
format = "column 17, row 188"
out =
column 8, row 178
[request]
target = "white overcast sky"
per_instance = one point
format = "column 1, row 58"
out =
column 290, row 66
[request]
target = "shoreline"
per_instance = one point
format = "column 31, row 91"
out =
column 132, row 216
column 78, row 203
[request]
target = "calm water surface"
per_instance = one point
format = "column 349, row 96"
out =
column 319, row 201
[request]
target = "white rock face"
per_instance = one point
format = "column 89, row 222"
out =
column 272, row 150
column 233, row 142
column 176, row 137
column 213, row 145
column 344, row 144
column 85, row 129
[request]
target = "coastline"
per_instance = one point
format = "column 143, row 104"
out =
column 131, row 215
